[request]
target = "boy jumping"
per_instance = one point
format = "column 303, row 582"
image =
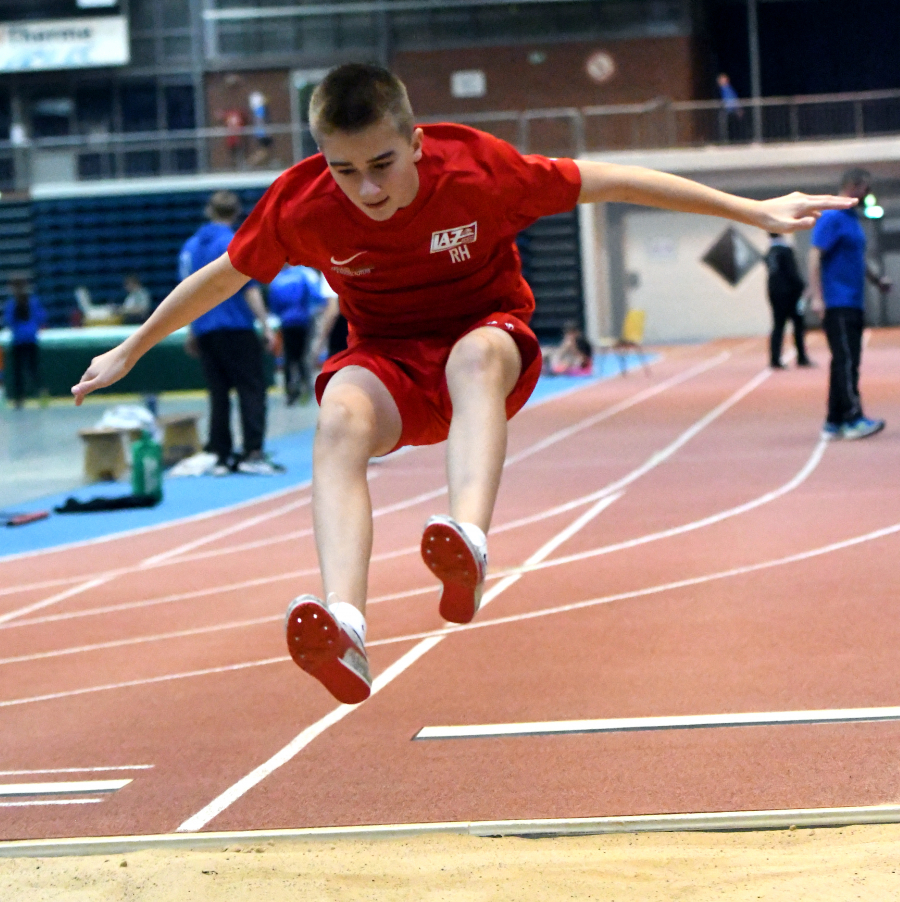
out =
column 415, row 229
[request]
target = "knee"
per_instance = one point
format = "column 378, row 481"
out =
column 346, row 422
column 479, row 356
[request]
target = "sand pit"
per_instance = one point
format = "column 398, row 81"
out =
column 838, row 864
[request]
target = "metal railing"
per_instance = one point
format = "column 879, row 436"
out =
column 563, row 131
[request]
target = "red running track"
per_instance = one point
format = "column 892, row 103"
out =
column 692, row 548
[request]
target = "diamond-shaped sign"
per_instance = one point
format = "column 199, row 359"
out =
column 732, row 256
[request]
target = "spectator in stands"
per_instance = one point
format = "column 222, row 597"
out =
column 234, row 120
column 294, row 297
column 24, row 316
column 785, row 292
column 838, row 270
column 574, row 356
column 732, row 113
column 259, row 114
column 229, row 348
column 136, row 306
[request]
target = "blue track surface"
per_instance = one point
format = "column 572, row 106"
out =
column 191, row 496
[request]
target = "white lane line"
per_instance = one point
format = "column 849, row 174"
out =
column 807, row 469
column 151, row 561
column 798, row 479
column 549, row 441
column 562, row 434
column 227, row 531
column 272, row 618
column 557, row 436
column 688, row 722
column 139, row 640
column 653, row 590
column 146, row 681
column 233, row 793
column 60, row 788
column 142, row 530
column 164, row 599
column 507, row 580
column 499, row 621
column 54, row 599
column 42, row 802
column 74, row 770
column 296, row 745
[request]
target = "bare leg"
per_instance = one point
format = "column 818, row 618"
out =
column 358, row 420
column 482, row 370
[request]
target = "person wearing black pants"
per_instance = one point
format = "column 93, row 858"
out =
column 233, row 359
column 844, row 330
column 785, row 290
column 230, row 351
column 838, row 270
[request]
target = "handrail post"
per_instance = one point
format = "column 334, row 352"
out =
column 577, row 129
column 523, row 133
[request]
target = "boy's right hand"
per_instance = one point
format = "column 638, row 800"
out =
column 103, row 371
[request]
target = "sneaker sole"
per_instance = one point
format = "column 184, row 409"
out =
column 450, row 559
column 852, row 437
column 319, row 646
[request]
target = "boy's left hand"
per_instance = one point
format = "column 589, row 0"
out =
column 797, row 211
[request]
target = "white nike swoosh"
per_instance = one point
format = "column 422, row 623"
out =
column 344, row 262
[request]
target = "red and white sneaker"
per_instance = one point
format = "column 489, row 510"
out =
column 458, row 563
column 321, row 646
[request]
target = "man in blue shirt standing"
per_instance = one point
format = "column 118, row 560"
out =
column 294, row 297
column 229, row 348
column 837, row 272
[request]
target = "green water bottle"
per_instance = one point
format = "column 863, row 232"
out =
column 147, row 467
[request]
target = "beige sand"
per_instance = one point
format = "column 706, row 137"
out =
column 824, row 865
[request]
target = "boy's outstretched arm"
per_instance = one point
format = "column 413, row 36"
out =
column 636, row 185
column 198, row 293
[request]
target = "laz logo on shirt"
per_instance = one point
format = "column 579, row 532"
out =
column 454, row 240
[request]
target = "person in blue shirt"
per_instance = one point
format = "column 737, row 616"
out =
column 229, row 348
column 838, row 270
column 23, row 316
column 295, row 297
column 732, row 113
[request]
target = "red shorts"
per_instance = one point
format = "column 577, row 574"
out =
column 412, row 370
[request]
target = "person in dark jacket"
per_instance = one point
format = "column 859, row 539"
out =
column 785, row 291
column 24, row 316
column 228, row 347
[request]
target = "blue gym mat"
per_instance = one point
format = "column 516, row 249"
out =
column 192, row 496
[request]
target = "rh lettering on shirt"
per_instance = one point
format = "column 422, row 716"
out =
column 454, row 240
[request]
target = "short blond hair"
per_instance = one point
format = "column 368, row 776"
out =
column 354, row 96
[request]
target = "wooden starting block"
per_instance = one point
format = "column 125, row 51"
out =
column 105, row 456
column 104, row 452
column 180, row 437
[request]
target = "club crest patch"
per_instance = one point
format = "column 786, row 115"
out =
column 447, row 239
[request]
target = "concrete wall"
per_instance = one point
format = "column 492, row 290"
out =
column 685, row 300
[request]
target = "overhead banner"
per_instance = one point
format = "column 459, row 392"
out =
column 64, row 44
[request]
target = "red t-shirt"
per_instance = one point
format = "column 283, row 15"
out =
column 447, row 258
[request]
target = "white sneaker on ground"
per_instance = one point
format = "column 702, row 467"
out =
column 458, row 563
column 325, row 649
column 259, row 465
